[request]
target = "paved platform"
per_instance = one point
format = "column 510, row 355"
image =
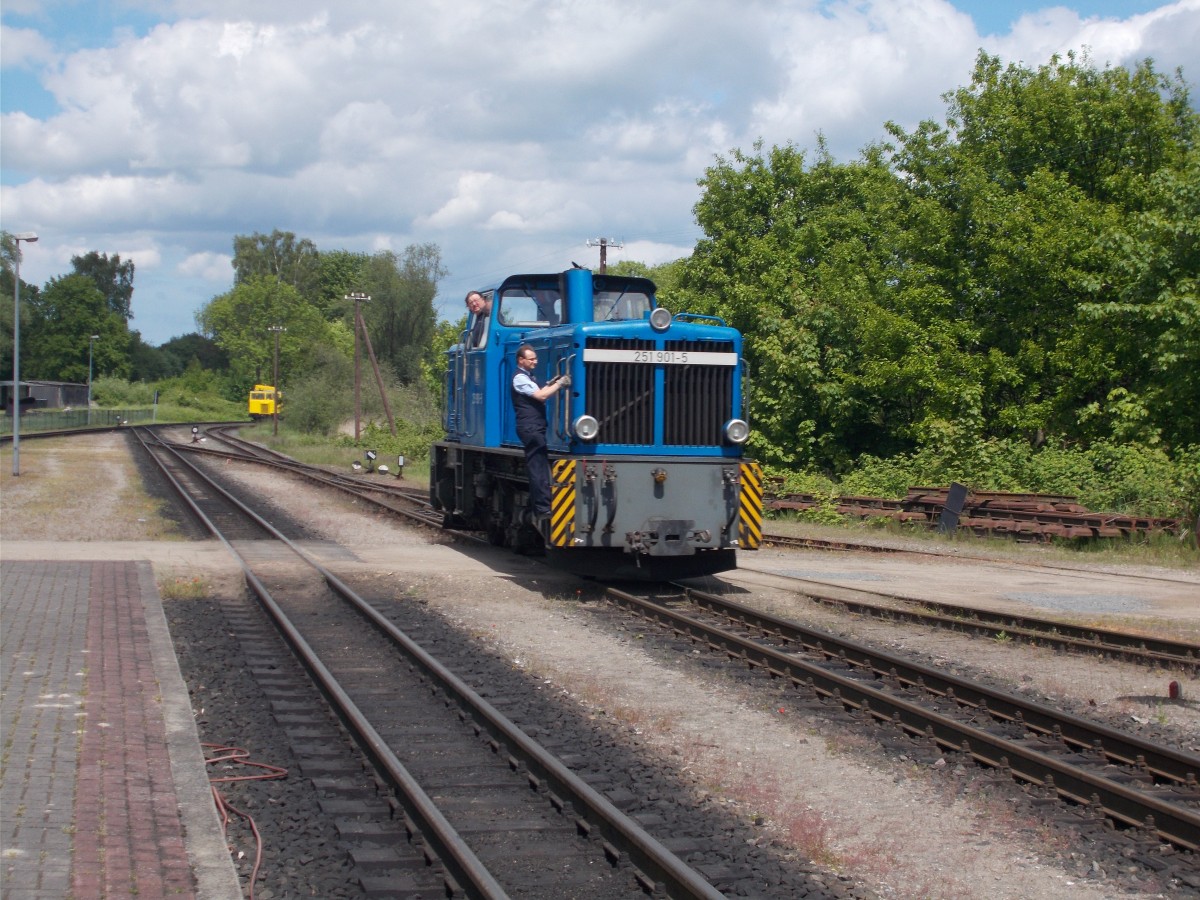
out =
column 103, row 788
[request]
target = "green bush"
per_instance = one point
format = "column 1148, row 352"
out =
column 825, row 490
column 1134, row 479
column 412, row 441
column 193, row 397
column 117, row 393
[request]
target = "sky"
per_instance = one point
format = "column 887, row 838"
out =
column 513, row 134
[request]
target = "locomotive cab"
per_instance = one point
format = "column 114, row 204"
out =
column 646, row 446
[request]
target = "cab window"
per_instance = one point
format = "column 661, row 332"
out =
column 525, row 308
column 616, row 306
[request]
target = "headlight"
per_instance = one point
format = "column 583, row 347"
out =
column 586, row 428
column 660, row 319
column 736, row 431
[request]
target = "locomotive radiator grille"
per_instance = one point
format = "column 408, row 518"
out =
column 697, row 399
column 621, row 395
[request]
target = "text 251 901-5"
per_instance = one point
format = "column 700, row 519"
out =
column 660, row 356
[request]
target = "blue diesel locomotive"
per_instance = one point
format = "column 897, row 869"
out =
column 649, row 480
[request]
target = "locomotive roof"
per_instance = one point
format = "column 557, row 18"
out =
column 552, row 279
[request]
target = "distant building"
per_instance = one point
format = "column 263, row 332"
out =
column 44, row 395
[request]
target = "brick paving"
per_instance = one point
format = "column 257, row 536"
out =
column 102, row 788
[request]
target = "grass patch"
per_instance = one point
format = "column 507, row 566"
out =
column 1160, row 549
column 323, row 450
column 183, row 588
column 85, row 488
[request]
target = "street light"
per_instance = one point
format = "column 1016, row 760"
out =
column 275, row 378
column 92, row 340
column 358, row 297
column 28, row 237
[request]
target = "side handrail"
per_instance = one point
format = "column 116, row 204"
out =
column 563, row 419
column 468, row 411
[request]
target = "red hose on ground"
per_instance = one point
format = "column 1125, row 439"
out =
column 241, row 757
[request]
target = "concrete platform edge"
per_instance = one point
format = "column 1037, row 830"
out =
column 216, row 877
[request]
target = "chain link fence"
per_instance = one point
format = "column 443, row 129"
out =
column 58, row 419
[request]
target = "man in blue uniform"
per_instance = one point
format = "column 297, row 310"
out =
column 529, row 403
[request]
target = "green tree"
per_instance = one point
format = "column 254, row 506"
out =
column 1146, row 314
column 279, row 255
column 400, row 317
column 237, row 323
column 967, row 282
column 433, row 366
column 8, row 268
column 64, row 316
column 342, row 271
column 1035, row 171
column 317, row 399
column 851, row 346
column 113, row 277
column 181, row 350
column 666, row 278
column 146, row 362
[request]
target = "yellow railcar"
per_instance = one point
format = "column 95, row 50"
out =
column 263, row 401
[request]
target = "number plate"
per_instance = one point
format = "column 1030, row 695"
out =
column 661, row 357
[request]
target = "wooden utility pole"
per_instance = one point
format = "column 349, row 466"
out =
column 604, row 244
column 358, row 298
column 275, row 379
column 387, row 408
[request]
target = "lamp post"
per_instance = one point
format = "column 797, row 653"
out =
column 28, row 237
column 275, row 378
column 358, row 297
column 91, row 341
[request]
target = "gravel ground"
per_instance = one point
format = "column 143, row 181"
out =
column 802, row 781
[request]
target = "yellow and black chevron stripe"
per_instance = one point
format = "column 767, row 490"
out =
column 562, row 503
column 750, row 507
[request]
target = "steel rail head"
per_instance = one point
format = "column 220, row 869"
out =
column 1176, row 824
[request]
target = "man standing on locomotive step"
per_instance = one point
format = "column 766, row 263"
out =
column 529, row 403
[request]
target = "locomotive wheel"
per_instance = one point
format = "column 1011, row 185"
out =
column 530, row 542
column 496, row 534
column 450, row 520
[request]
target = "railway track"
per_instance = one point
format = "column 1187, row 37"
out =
column 1179, row 656
column 1105, row 781
column 490, row 779
column 1125, row 782
column 843, row 546
column 412, row 503
column 1024, row 517
column 408, row 502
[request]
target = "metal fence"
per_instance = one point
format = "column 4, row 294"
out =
column 58, row 419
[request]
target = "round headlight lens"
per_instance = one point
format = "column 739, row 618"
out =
column 586, row 428
column 660, row 319
column 736, row 431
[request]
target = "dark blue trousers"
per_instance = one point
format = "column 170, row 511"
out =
column 537, row 464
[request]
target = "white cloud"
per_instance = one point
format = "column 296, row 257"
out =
column 217, row 267
column 1170, row 33
column 861, row 67
column 143, row 257
column 25, row 48
column 508, row 133
column 652, row 253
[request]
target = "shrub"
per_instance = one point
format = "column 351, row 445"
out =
column 1136, row 479
column 117, row 393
